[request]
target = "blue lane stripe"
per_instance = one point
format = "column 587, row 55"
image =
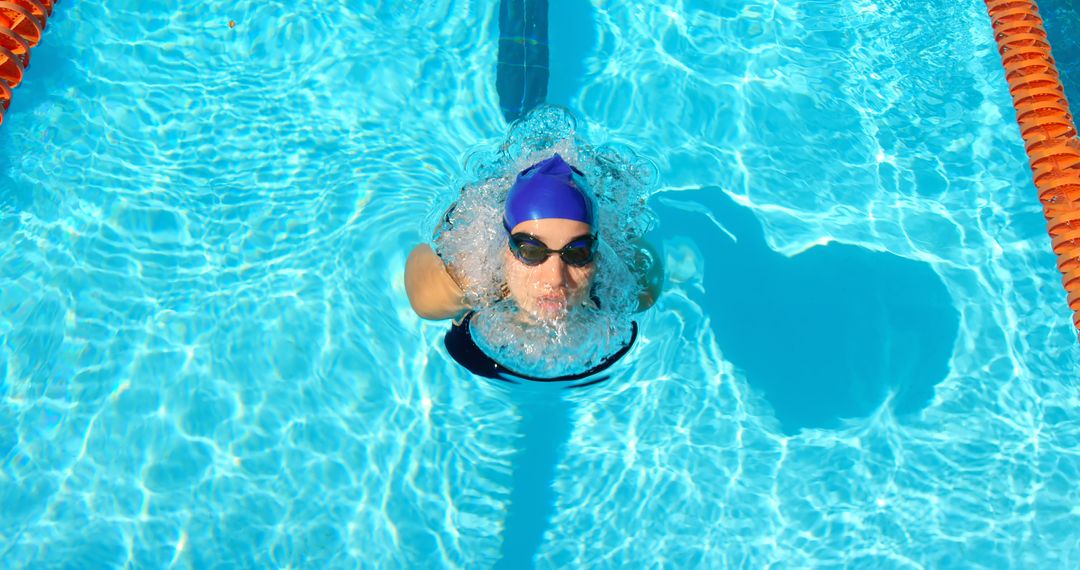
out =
column 522, row 70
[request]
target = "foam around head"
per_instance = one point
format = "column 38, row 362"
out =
column 614, row 180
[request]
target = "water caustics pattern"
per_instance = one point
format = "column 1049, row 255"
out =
column 881, row 124
column 206, row 355
column 207, row 359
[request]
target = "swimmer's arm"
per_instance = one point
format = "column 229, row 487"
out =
column 433, row 293
column 649, row 268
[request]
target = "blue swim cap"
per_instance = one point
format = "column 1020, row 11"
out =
column 548, row 189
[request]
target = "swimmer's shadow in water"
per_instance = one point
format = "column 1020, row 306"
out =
column 825, row 335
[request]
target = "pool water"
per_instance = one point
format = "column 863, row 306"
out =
column 863, row 357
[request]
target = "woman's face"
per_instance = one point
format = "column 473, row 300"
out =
column 547, row 291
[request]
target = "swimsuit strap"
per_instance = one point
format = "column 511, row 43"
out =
column 464, row 350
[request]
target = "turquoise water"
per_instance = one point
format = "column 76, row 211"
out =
column 863, row 357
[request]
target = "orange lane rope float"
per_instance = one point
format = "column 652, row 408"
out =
column 21, row 25
column 1047, row 128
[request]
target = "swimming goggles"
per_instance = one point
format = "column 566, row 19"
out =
column 531, row 251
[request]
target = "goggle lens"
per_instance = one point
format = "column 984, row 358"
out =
column 532, row 252
column 578, row 255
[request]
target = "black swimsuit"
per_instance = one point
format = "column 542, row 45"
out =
column 460, row 344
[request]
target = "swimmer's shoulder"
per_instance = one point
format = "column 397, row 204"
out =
column 433, row 293
column 648, row 265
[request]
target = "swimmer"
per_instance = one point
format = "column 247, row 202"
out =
column 549, row 260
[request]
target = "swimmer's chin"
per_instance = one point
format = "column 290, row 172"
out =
column 536, row 316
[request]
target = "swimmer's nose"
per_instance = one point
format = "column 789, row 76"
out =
column 553, row 272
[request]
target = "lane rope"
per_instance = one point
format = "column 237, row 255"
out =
column 1047, row 128
column 21, row 24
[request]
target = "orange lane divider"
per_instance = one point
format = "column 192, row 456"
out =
column 1047, row 128
column 21, row 25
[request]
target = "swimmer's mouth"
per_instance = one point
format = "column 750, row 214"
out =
column 551, row 303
